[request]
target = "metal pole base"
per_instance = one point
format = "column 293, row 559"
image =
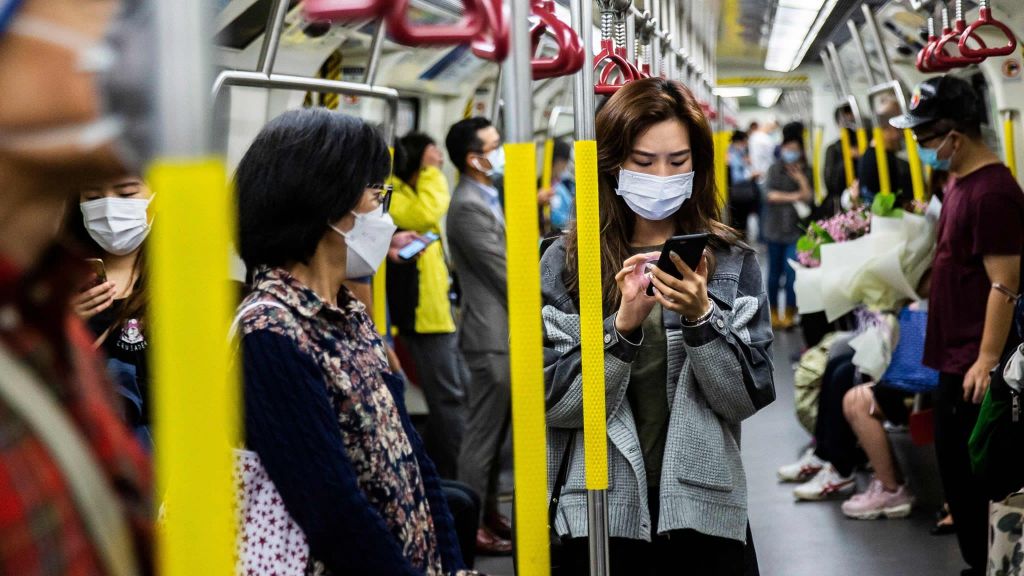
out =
column 597, row 520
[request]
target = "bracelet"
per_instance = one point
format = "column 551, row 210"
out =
column 1010, row 296
column 704, row 318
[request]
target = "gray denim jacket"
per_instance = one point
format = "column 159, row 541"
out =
column 718, row 374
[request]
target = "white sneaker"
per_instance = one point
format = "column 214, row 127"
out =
column 803, row 469
column 877, row 502
column 827, row 483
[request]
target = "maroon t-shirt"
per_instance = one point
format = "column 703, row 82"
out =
column 982, row 214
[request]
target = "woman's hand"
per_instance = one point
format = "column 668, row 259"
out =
column 635, row 305
column 94, row 300
column 401, row 240
column 687, row 297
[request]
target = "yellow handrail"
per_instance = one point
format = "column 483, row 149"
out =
column 914, row 159
column 1009, row 142
column 844, row 142
column 881, row 158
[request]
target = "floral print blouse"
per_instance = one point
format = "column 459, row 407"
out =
column 344, row 344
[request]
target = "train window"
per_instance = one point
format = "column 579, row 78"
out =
column 408, row 115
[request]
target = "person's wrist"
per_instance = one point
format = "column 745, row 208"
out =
column 625, row 325
column 693, row 317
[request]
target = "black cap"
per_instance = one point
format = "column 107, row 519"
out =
column 942, row 98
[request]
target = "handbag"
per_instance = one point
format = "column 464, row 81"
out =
column 905, row 371
column 268, row 541
column 996, row 441
column 1006, row 536
column 558, row 562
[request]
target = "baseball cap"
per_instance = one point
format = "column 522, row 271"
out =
column 942, row 98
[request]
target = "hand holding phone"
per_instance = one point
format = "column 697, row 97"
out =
column 98, row 296
column 679, row 283
column 98, row 269
column 418, row 245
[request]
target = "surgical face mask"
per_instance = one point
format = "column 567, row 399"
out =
column 654, row 197
column 367, row 242
column 496, row 158
column 118, row 225
column 791, row 156
column 930, row 156
column 123, row 64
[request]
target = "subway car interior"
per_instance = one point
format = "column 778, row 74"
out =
column 534, row 287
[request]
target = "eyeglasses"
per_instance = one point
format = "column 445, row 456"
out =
column 921, row 140
column 382, row 195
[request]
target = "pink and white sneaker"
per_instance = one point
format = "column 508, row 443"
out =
column 827, row 483
column 803, row 469
column 877, row 502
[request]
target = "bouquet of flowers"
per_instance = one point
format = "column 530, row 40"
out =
column 839, row 228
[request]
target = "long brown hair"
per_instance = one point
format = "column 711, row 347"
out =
column 625, row 117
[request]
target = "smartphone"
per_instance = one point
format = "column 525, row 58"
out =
column 689, row 247
column 99, row 269
column 410, row 250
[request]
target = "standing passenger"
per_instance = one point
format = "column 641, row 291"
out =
column 112, row 220
column 91, row 512
column 476, row 237
column 418, row 296
column 322, row 411
column 788, row 186
column 743, row 195
column 976, row 277
column 682, row 368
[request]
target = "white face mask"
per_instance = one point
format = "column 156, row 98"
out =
column 118, row 225
column 123, row 65
column 654, row 197
column 367, row 242
column 496, row 158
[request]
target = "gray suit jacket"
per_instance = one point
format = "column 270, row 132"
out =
column 476, row 239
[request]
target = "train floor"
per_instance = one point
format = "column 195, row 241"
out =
column 812, row 538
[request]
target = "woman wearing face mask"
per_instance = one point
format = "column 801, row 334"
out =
column 683, row 368
column 788, row 186
column 112, row 220
column 322, row 411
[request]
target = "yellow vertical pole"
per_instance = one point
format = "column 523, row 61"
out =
column 527, row 361
column 722, row 166
column 862, row 140
column 844, row 143
column 195, row 391
column 819, row 188
column 588, row 227
column 914, row 159
column 885, row 187
column 1009, row 142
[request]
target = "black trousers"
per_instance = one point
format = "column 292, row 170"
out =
column 464, row 505
column 836, row 441
column 954, row 421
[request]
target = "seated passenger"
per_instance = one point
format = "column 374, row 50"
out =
column 683, row 368
column 112, row 219
column 322, row 411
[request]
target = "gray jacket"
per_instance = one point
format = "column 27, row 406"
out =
column 718, row 374
column 476, row 239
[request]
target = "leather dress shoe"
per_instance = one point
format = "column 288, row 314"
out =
column 490, row 544
column 499, row 524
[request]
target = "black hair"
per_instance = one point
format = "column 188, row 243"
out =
column 793, row 131
column 463, row 138
column 738, row 136
column 792, row 138
column 842, row 111
column 306, row 168
column 409, row 154
column 561, row 150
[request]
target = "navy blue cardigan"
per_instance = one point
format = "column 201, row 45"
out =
column 296, row 435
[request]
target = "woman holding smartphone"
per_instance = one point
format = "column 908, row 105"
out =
column 112, row 220
column 683, row 367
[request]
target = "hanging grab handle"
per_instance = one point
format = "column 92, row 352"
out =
column 922, row 54
column 468, row 28
column 985, row 18
column 329, row 10
column 931, row 61
column 958, row 32
column 492, row 44
column 569, row 58
column 614, row 62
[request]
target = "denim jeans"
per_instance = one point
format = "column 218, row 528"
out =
column 778, row 254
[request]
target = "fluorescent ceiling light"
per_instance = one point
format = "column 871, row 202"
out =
column 794, row 28
column 768, row 97
column 733, row 92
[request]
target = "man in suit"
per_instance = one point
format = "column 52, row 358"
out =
column 476, row 239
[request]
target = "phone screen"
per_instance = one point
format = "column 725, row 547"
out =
column 99, row 269
column 690, row 248
column 416, row 246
